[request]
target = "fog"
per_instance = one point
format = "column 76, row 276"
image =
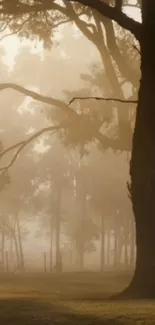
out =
column 64, row 200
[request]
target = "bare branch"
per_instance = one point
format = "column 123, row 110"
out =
column 69, row 20
column 123, row 65
column 16, row 145
column 65, row 21
column 24, row 143
column 113, row 13
column 108, row 99
column 83, row 26
column 44, row 99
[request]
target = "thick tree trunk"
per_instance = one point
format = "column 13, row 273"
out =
column 143, row 164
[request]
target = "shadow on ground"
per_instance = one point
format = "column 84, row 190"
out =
column 17, row 311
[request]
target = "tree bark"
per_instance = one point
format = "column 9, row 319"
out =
column 142, row 167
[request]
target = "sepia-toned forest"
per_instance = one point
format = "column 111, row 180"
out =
column 77, row 159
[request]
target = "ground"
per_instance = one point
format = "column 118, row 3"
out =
column 78, row 299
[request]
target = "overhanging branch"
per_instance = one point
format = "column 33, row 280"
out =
column 71, row 116
column 107, row 99
column 114, row 14
column 104, row 9
column 37, row 96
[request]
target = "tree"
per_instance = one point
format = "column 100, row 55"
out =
column 143, row 156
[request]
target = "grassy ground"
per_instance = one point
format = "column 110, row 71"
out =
column 69, row 299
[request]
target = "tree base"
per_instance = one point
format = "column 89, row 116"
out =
column 136, row 292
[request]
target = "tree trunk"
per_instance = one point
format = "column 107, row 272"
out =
column 58, row 266
column 108, row 247
column 20, row 244
column 11, row 248
column 115, row 250
column 126, row 256
column 3, row 251
column 116, row 241
column 16, row 249
column 102, row 245
column 81, row 254
column 132, row 244
column 142, row 167
column 51, row 244
column 80, row 242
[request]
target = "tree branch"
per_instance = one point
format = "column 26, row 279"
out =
column 24, row 143
column 103, row 139
column 36, row 96
column 19, row 28
column 113, row 13
column 16, row 145
column 108, row 99
column 110, row 12
column 118, row 4
column 121, row 62
column 83, row 26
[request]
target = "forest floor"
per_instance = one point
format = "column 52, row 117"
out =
column 69, row 299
